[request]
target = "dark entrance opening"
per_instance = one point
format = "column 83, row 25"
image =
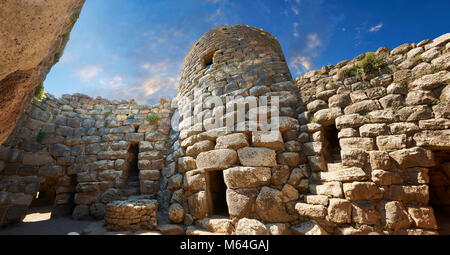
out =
column 440, row 190
column 133, row 186
column 207, row 60
column 216, row 190
column 331, row 149
column 46, row 195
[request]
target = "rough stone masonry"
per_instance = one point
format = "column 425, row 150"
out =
column 362, row 146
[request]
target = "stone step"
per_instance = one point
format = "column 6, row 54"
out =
column 334, row 167
column 216, row 224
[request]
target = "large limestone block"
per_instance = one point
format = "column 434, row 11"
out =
column 435, row 139
column 340, row 210
column 362, row 191
column 411, row 157
column 246, row 177
column 249, row 156
column 198, row 204
column 423, row 217
column 409, row 194
column 396, row 216
column 217, row 159
column 241, row 202
column 308, row 228
column 268, row 139
column 311, row 211
column 251, row 227
column 270, row 207
column 333, row 189
column 232, row 141
column 344, row 175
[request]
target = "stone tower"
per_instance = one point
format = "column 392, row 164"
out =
column 238, row 172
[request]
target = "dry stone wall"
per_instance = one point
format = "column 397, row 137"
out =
column 361, row 147
column 372, row 128
column 84, row 152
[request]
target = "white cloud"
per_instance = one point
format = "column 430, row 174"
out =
column 296, row 34
column 376, row 28
column 88, row 72
column 294, row 10
column 301, row 62
column 313, row 41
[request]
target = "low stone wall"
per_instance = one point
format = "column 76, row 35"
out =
column 135, row 213
column 84, row 151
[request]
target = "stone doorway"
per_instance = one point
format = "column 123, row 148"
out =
column 43, row 204
column 216, row 193
column 133, row 186
column 440, row 190
column 332, row 149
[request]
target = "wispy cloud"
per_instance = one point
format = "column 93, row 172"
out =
column 88, row 72
column 313, row 41
column 376, row 28
column 295, row 10
column 295, row 33
column 301, row 62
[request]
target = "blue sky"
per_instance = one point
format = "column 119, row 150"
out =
column 134, row 49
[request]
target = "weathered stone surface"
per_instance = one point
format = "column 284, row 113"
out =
column 171, row 229
column 365, row 212
column 333, row 189
column 246, row 177
column 340, row 210
column 308, row 228
column 357, row 143
column 361, row 107
column 362, row 191
column 278, row 229
column 317, row 200
column 353, row 157
column 32, row 39
column 396, row 216
column 251, row 227
column 327, row 116
column 217, row 225
column 344, row 175
column 268, row 139
column 385, row 178
column 417, row 97
column 249, row 156
column 435, row 139
column 391, row 142
column 199, row 147
column 186, row 164
column 241, row 202
column 409, row 194
column 232, row 141
column 217, row 159
column 176, row 213
column 415, row 156
column 311, row 211
column 423, row 217
column 431, row 81
column 198, row 204
column 269, row 206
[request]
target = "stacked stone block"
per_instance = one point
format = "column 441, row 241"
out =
column 135, row 213
column 391, row 122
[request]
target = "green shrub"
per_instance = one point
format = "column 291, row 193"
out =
column 367, row 65
column 153, row 118
column 312, row 120
column 39, row 92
